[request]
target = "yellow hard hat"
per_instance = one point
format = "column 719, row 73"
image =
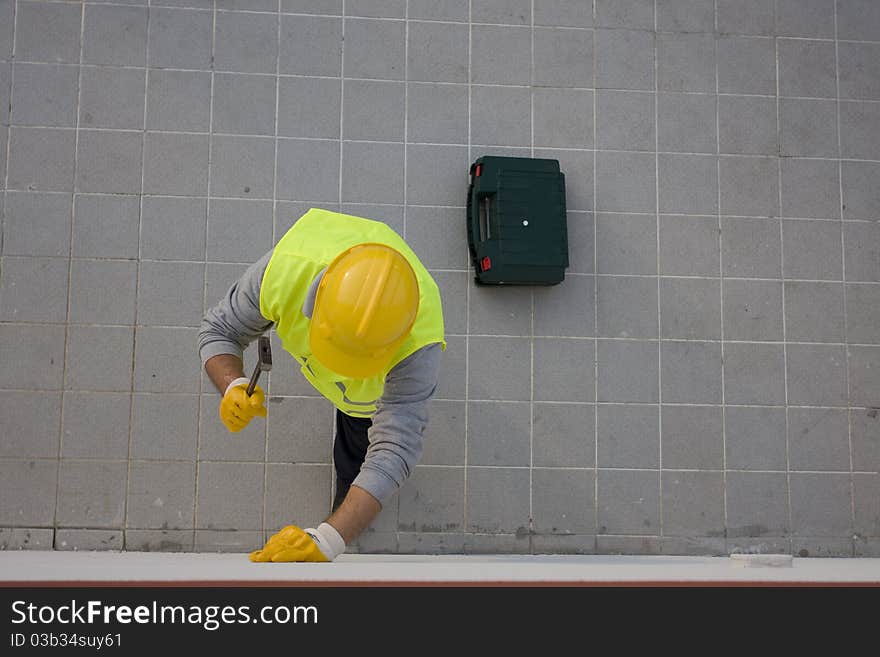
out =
column 365, row 307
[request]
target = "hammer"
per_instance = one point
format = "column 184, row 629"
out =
column 264, row 362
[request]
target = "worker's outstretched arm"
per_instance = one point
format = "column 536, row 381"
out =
column 395, row 447
column 326, row 541
column 355, row 514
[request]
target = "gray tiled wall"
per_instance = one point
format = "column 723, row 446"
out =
column 705, row 380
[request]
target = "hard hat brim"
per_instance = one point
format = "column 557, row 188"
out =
column 343, row 364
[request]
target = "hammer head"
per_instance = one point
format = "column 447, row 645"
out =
column 264, row 363
column 264, row 351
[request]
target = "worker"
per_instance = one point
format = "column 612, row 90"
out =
column 361, row 315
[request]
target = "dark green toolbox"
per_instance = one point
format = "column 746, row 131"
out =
column 516, row 224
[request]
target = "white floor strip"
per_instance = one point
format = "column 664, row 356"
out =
column 29, row 567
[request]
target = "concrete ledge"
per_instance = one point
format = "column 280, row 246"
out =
column 31, row 568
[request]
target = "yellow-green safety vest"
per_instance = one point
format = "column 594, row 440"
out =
column 310, row 246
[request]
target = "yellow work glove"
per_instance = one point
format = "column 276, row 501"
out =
column 237, row 409
column 294, row 544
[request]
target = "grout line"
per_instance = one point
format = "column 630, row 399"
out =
column 532, row 81
column 694, row 277
column 506, row 534
column 341, row 104
column 318, row 14
column 205, row 288
column 138, row 262
column 441, row 83
column 782, row 270
column 561, row 402
column 5, row 155
column 406, row 82
column 539, row 402
column 339, row 195
column 7, row 151
column 523, row 336
column 305, row 14
column 274, row 238
column 659, row 278
column 436, row 466
column 852, row 495
column 531, row 518
column 512, row 147
column 405, row 167
column 69, row 268
column 72, row 197
column 173, row 69
column 720, row 292
column 584, row 274
column 471, row 273
column 269, row 378
column 258, row 199
column 595, row 299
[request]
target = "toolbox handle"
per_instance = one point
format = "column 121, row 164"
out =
column 481, row 223
column 485, row 212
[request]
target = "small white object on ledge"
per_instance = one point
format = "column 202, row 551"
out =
column 762, row 560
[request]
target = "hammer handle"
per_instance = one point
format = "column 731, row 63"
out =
column 253, row 382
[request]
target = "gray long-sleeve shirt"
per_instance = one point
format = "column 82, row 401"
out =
column 401, row 413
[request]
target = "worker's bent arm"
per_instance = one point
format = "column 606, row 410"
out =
column 399, row 423
column 232, row 324
column 395, row 441
column 223, row 369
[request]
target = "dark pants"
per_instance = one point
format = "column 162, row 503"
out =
column 349, row 451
